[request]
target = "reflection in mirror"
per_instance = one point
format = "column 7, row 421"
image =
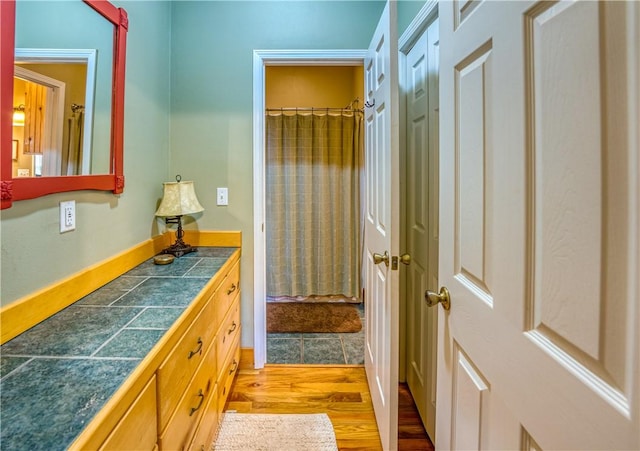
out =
column 70, row 25
column 54, row 90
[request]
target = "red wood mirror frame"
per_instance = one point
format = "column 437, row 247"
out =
column 13, row 189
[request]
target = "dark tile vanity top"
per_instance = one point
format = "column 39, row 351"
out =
column 57, row 375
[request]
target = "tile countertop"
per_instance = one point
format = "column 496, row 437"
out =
column 57, row 375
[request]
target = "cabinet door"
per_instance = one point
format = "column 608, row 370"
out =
column 138, row 428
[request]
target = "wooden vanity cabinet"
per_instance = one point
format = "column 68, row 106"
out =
column 200, row 363
column 188, row 378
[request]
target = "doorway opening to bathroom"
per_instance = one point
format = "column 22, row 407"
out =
column 313, row 163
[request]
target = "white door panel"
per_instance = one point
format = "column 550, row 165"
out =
column 381, row 224
column 421, row 77
column 539, row 225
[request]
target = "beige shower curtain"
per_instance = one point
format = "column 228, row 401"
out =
column 313, row 227
column 72, row 154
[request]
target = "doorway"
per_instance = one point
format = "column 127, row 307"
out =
column 313, row 166
column 262, row 59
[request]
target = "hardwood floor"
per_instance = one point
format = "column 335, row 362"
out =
column 340, row 391
column 411, row 433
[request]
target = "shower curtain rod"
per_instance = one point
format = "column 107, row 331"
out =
column 349, row 108
column 312, row 109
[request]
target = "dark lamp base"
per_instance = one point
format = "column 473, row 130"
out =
column 179, row 248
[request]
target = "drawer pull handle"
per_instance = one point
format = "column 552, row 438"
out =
column 198, row 350
column 233, row 367
column 195, row 409
column 232, row 289
column 233, row 327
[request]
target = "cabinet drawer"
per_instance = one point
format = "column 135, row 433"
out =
column 178, row 368
column 137, row 428
column 228, row 332
column 227, row 292
column 182, row 424
column 228, row 374
column 208, row 427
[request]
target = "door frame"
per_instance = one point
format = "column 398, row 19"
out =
column 262, row 58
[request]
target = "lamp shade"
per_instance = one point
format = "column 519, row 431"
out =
column 179, row 199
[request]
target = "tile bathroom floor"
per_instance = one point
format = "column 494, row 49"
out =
column 320, row 348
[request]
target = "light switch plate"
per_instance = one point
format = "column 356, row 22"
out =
column 222, row 196
column 67, row 216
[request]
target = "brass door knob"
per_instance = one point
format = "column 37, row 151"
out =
column 438, row 298
column 379, row 258
column 405, row 259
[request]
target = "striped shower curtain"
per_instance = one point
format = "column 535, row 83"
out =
column 72, row 154
column 313, row 228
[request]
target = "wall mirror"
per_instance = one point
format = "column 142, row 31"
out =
column 62, row 97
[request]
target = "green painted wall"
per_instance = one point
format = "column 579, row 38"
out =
column 212, row 101
column 34, row 253
column 407, row 11
column 188, row 111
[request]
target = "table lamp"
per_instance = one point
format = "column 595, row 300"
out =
column 179, row 198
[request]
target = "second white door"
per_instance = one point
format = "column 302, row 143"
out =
column 421, row 223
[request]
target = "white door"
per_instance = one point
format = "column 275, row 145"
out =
column 382, row 224
column 421, row 75
column 539, row 225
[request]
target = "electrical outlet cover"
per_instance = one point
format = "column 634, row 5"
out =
column 67, row 216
